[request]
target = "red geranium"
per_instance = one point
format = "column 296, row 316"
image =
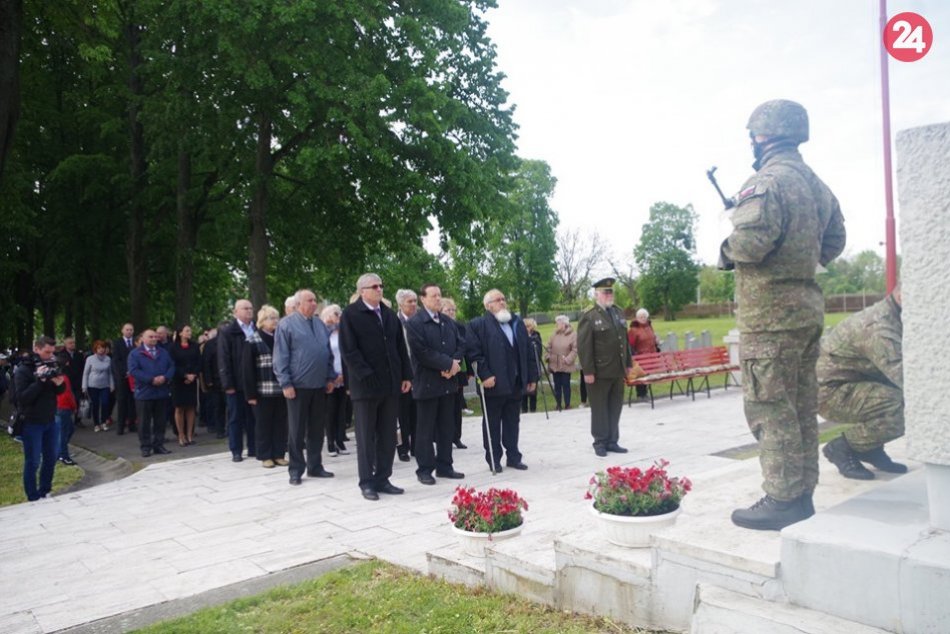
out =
column 488, row 511
column 634, row 492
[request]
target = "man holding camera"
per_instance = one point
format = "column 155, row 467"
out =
column 38, row 379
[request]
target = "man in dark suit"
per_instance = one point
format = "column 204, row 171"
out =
column 124, row 399
column 408, row 304
column 376, row 363
column 437, row 352
column 497, row 348
column 230, row 352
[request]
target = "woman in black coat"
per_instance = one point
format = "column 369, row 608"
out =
column 187, row 357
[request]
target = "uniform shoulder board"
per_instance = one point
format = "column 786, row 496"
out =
column 745, row 193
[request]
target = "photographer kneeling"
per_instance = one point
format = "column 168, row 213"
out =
column 38, row 380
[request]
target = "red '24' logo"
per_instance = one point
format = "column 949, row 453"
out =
column 908, row 36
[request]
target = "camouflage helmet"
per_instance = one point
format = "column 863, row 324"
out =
column 780, row 118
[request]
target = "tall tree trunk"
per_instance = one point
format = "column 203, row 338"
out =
column 48, row 309
column 11, row 21
column 135, row 240
column 24, row 311
column 80, row 314
column 68, row 318
column 257, row 246
column 186, row 240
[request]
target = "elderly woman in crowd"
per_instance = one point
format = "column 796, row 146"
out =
column 98, row 383
column 642, row 340
column 263, row 392
column 337, row 398
column 561, row 354
column 187, row 357
column 529, row 402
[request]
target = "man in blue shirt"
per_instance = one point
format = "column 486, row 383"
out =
column 303, row 364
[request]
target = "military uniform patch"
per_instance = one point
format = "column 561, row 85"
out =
column 745, row 193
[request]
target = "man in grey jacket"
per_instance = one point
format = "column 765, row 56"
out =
column 303, row 364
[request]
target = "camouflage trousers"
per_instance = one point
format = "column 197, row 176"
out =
column 780, row 394
column 874, row 410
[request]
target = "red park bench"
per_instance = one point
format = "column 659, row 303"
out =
column 695, row 367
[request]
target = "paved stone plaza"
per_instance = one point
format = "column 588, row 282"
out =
column 178, row 529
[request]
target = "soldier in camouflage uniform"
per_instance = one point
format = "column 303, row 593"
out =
column 860, row 381
column 786, row 222
column 605, row 358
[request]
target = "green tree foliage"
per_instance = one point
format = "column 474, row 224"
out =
column 526, row 245
column 175, row 155
column 863, row 272
column 716, row 286
column 665, row 256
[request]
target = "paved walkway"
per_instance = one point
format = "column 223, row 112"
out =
column 180, row 528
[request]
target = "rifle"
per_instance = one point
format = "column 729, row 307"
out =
column 729, row 203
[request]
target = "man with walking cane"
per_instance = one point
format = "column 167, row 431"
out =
column 498, row 349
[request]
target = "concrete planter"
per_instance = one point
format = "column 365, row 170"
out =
column 474, row 543
column 632, row 531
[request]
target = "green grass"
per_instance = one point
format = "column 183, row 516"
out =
column 378, row 597
column 11, row 472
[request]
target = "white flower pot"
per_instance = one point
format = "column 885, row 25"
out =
column 630, row 531
column 474, row 543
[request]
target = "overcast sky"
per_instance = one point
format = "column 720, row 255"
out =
column 631, row 101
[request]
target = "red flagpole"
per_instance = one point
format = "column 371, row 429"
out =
column 889, row 230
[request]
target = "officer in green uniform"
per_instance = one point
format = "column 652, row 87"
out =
column 860, row 381
column 786, row 222
column 605, row 359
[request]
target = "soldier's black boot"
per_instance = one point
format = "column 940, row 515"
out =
column 808, row 503
column 839, row 452
column 769, row 514
column 879, row 459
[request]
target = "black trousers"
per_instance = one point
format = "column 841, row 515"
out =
column 407, row 424
column 504, row 420
column 606, row 403
column 459, row 406
column 529, row 402
column 126, row 407
column 375, row 421
column 562, row 388
column 583, row 388
column 306, row 419
column 153, row 416
column 336, row 417
column 214, row 406
column 435, row 426
column 270, row 427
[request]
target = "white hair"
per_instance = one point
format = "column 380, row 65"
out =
column 562, row 319
column 332, row 309
column 486, row 302
column 291, row 302
column 643, row 312
column 404, row 294
column 366, row 278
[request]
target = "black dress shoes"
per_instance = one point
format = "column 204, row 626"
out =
column 454, row 475
column 614, row 447
column 600, row 451
column 461, row 445
column 498, row 468
column 146, row 453
column 295, row 480
column 520, row 466
column 161, row 451
column 426, row 478
column 236, row 458
column 391, row 489
column 404, row 457
column 319, row 473
column 369, row 493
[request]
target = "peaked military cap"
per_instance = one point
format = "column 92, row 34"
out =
column 607, row 282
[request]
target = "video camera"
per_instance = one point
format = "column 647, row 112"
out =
column 48, row 369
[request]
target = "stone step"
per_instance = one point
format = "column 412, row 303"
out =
column 874, row 559
column 719, row 611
